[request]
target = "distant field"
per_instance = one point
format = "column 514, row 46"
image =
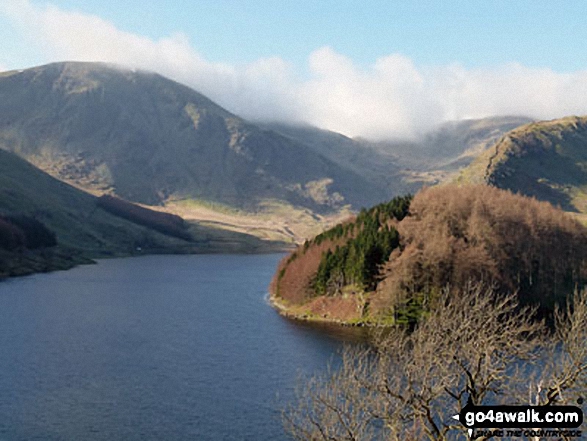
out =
column 274, row 221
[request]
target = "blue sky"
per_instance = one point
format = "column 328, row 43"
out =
column 473, row 33
column 418, row 63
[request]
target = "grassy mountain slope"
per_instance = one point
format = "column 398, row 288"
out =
column 84, row 229
column 150, row 140
column 455, row 144
column 546, row 160
column 404, row 166
column 379, row 167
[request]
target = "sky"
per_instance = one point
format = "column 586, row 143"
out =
column 376, row 69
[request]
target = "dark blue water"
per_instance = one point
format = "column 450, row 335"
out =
column 157, row 347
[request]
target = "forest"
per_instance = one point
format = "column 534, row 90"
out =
column 165, row 223
column 398, row 257
column 20, row 231
column 371, row 239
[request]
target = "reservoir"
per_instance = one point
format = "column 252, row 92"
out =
column 152, row 348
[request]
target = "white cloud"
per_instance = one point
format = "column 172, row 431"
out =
column 392, row 98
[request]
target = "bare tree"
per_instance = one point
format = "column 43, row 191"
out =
column 473, row 345
column 457, row 234
column 563, row 376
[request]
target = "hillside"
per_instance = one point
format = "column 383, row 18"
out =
column 546, row 160
column 151, row 140
column 453, row 144
column 363, row 158
column 404, row 166
column 390, row 263
column 85, row 229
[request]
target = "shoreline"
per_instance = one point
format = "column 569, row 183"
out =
column 15, row 265
column 286, row 312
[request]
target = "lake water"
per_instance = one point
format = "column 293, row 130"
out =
column 152, row 348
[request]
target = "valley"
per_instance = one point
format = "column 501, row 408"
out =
column 325, row 221
column 103, row 131
column 151, row 141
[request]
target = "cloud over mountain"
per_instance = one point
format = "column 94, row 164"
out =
column 391, row 98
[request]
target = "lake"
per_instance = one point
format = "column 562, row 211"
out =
column 152, row 348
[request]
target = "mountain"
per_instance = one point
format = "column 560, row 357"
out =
column 453, row 144
column 362, row 157
column 404, row 166
column 85, row 226
column 150, row 140
column 546, row 160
